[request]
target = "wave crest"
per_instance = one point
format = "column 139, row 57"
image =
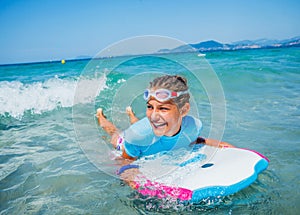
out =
column 16, row 97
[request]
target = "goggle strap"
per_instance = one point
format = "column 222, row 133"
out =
column 181, row 93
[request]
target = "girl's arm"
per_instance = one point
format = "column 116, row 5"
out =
column 212, row 142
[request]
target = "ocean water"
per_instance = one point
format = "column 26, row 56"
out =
column 54, row 159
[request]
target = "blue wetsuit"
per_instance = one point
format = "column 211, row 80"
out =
column 139, row 139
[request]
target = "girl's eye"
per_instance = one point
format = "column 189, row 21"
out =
column 164, row 108
column 149, row 106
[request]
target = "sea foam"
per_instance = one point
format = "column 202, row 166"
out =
column 16, row 97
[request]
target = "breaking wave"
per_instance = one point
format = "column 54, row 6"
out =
column 16, row 98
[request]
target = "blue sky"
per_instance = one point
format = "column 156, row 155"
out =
column 33, row 30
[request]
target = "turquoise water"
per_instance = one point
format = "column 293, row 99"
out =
column 43, row 132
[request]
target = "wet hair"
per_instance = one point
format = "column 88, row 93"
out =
column 174, row 83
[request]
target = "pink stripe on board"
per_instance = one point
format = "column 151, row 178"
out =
column 261, row 155
column 162, row 191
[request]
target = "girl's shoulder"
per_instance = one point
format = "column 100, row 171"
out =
column 191, row 121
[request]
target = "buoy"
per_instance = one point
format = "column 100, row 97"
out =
column 63, row 61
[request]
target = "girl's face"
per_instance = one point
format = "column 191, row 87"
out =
column 165, row 117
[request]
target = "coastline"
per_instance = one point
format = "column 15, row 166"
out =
column 154, row 54
column 202, row 47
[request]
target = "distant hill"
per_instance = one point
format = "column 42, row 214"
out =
column 212, row 45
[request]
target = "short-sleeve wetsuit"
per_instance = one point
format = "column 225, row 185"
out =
column 139, row 139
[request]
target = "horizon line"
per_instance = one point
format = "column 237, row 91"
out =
column 190, row 44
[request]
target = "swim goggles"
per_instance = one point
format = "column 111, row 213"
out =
column 163, row 95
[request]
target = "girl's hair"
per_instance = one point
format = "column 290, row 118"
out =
column 174, row 83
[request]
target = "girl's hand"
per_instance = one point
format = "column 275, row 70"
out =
column 225, row 145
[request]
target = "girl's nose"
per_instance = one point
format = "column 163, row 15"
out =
column 154, row 116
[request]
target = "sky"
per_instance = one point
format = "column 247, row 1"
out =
column 45, row 30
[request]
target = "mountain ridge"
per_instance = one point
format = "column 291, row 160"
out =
column 212, row 45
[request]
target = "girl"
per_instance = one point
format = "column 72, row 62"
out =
column 167, row 125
